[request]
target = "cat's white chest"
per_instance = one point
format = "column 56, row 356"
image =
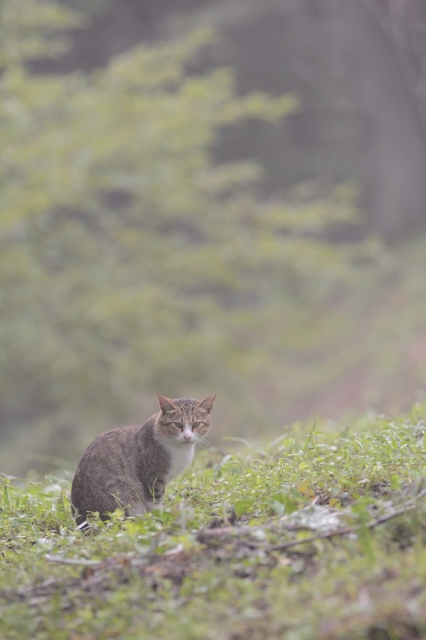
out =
column 182, row 455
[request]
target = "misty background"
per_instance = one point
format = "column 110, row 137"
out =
column 204, row 196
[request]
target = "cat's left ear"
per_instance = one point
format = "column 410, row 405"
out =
column 207, row 403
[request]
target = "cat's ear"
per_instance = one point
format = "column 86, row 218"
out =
column 165, row 403
column 207, row 403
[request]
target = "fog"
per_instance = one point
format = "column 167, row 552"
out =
column 208, row 196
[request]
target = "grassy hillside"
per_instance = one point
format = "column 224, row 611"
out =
column 315, row 536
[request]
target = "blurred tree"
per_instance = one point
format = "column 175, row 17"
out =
column 400, row 111
column 359, row 70
column 129, row 261
column 404, row 23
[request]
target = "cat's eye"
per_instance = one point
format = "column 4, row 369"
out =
column 196, row 424
column 178, row 424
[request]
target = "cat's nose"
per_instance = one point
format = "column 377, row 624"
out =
column 187, row 437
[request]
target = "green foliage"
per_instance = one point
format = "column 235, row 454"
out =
column 31, row 29
column 130, row 260
column 154, row 577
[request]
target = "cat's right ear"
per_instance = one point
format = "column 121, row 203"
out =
column 165, row 403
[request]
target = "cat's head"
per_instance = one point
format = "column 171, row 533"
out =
column 184, row 420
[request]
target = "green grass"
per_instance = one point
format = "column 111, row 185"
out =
column 174, row 576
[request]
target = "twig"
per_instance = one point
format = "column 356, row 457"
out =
column 78, row 561
column 205, row 534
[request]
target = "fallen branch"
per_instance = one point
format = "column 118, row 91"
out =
column 205, row 534
column 339, row 532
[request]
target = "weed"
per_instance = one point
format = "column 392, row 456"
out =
column 319, row 536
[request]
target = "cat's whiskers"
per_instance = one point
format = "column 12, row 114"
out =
column 203, row 442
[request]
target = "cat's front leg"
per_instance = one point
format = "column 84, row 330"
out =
column 139, row 508
column 156, row 494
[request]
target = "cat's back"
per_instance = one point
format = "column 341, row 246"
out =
column 120, row 447
column 126, row 453
column 110, row 447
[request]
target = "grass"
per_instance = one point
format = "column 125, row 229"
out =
column 211, row 566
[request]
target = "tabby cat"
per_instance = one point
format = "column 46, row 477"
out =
column 129, row 467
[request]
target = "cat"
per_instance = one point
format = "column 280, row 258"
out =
column 129, row 467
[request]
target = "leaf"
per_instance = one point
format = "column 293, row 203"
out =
column 6, row 499
column 305, row 489
column 243, row 506
column 281, row 502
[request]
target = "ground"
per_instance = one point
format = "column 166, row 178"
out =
column 318, row 535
